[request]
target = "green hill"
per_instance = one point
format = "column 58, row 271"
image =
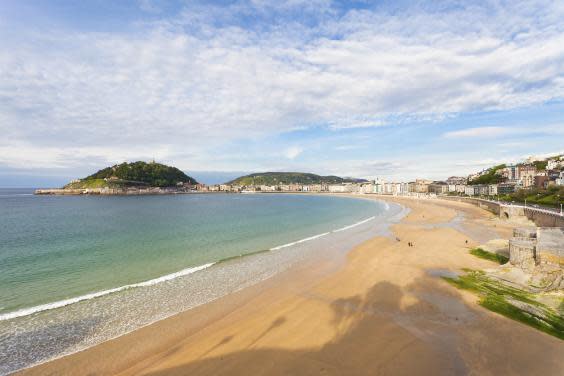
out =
column 491, row 177
column 134, row 174
column 274, row 178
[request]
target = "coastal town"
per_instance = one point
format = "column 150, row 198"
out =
column 281, row 187
column 500, row 180
column 538, row 180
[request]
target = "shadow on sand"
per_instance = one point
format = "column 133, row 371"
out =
column 375, row 335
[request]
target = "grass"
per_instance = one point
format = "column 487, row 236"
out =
column 90, row 183
column 479, row 252
column 101, row 183
column 511, row 302
column 552, row 196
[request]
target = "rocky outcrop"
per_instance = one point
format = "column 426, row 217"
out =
column 112, row 191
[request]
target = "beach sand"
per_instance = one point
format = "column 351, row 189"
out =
column 385, row 311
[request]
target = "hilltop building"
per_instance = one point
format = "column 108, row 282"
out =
column 555, row 163
column 560, row 180
column 527, row 175
column 511, row 173
column 456, row 180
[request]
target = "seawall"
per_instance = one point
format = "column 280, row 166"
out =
column 541, row 217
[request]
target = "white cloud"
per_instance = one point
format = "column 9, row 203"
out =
column 489, row 132
column 477, row 132
column 24, row 156
column 199, row 80
column 293, row 152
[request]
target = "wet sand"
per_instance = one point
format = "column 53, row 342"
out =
column 384, row 311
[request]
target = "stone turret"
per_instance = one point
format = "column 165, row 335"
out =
column 522, row 248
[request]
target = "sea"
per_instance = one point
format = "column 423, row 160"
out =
column 76, row 271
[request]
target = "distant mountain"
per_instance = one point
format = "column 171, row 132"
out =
column 274, row 178
column 216, row 177
column 134, row 174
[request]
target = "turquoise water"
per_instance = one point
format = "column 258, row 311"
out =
column 54, row 248
column 79, row 270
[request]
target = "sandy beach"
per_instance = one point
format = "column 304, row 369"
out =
column 384, row 311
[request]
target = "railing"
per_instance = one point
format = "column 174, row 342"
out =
column 532, row 208
column 548, row 211
column 556, row 212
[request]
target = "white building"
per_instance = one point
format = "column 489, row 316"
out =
column 560, row 180
column 338, row 188
column 472, row 190
column 367, row 188
column 553, row 164
column 460, row 188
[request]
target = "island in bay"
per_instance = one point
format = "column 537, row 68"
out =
column 129, row 178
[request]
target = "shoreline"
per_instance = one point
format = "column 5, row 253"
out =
column 330, row 303
column 26, row 311
column 295, row 278
column 340, row 238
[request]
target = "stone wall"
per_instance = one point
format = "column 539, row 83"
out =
column 516, row 213
column 542, row 219
column 550, row 246
column 486, row 205
column 542, row 246
column 525, row 232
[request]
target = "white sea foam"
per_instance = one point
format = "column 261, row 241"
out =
column 321, row 235
column 299, row 241
column 65, row 302
column 354, row 224
column 168, row 277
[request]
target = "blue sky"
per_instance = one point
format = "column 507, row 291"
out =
column 395, row 90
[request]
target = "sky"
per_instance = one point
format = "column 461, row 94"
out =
column 375, row 89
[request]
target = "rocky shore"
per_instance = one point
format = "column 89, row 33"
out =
column 112, row 191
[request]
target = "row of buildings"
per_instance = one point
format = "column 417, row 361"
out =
column 508, row 179
column 328, row 188
column 418, row 187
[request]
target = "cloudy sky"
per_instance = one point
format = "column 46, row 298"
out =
column 394, row 89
